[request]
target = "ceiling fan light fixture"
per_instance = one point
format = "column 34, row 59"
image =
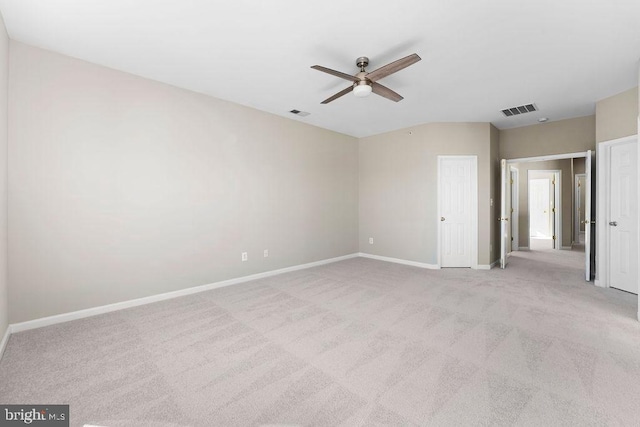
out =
column 362, row 89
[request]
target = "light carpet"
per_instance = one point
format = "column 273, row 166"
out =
column 358, row 342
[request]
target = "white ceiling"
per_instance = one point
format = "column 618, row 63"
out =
column 478, row 56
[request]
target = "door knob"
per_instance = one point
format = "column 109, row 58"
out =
column 613, row 223
column 441, row 218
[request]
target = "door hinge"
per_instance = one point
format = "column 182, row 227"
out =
column 553, row 210
column 512, row 239
column 511, row 210
column 554, row 237
column 553, row 182
column 512, row 181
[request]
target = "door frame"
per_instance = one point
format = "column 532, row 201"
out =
column 603, row 161
column 557, row 205
column 474, row 207
column 576, row 203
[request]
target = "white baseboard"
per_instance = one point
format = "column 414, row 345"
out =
column 5, row 340
column 94, row 311
column 488, row 267
column 400, row 261
column 420, row 264
column 566, row 248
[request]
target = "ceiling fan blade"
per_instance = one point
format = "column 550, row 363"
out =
column 335, row 73
column 338, row 95
column 393, row 67
column 384, row 91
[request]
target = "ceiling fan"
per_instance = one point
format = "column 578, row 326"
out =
column 364, row 83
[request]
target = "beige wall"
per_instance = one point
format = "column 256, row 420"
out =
column 398, row 188
column 122, row 187
column 561, row 137
column 579, row 165
column 617, row 116
column 564, row 165
column 4, row 75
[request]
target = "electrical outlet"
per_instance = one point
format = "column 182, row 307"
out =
column 266, row 253
column 371, row 240
column 244, row 256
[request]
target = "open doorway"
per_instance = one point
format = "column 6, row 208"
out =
column 544, row 197
column 544, row 205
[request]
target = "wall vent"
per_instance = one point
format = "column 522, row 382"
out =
column 299, row 113
column 522, row 109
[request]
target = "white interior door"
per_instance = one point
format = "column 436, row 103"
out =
column 540, row 208
column 514, row 211
column 623, row 217
column 509, row 210
column 544, row 209
column 504, row 214
column 455, row 211
column 580, row 208
column 581, row 203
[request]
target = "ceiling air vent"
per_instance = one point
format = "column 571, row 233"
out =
column 299, row 113
column 522, row 109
